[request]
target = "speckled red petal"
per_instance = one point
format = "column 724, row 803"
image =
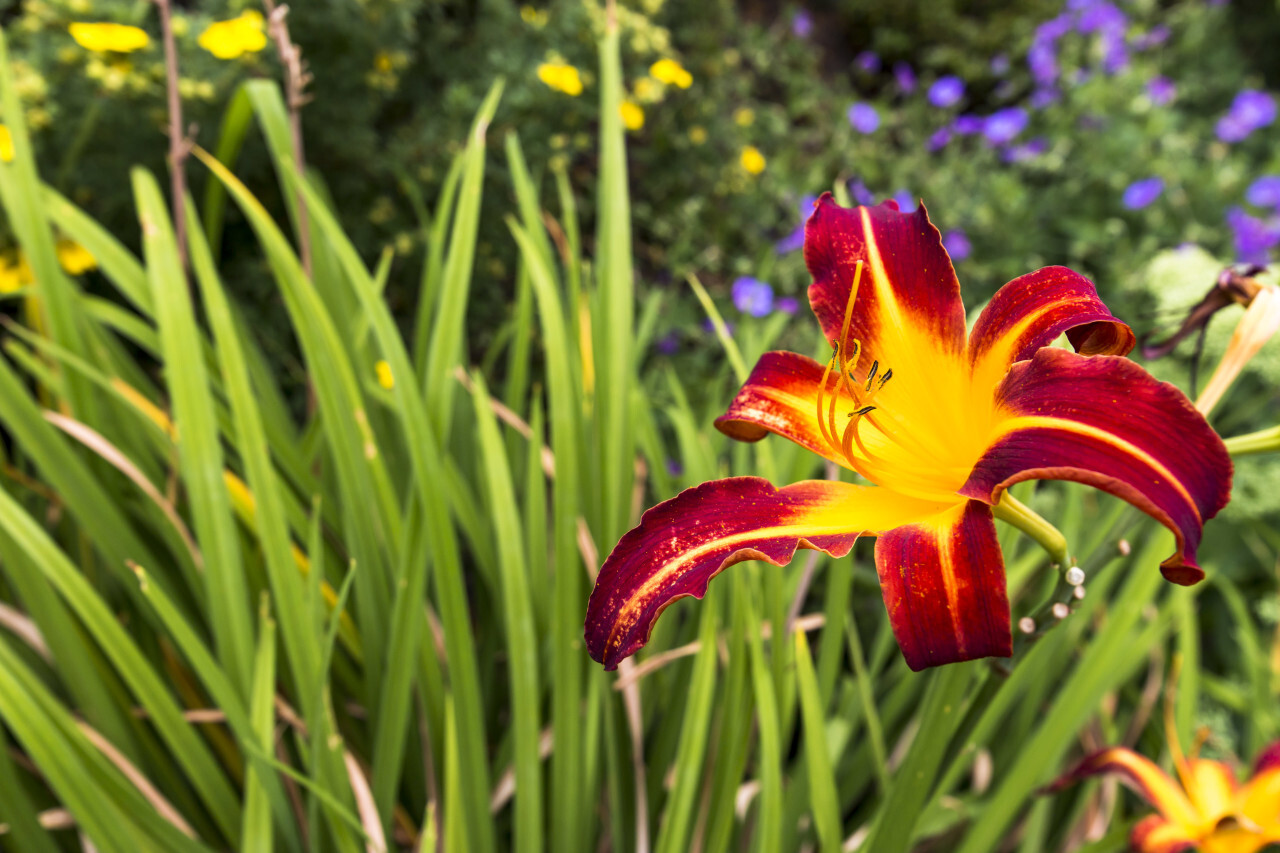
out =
column 1105, row 421
column 681, row 544
column 944, row 587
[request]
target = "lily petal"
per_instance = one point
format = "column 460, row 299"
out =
column 1031, row 311
column 944, row 587
column 682, row 543
column 1211, row 785
column 780, row 396
column 1105, row 421
column 1149, row 781
column 1154, row 834
column 1260, row 801
column 1268, row 759
column 907, row 308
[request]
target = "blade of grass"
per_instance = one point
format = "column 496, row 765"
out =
column 522, row 648
column 255, row 834
column 822, row 782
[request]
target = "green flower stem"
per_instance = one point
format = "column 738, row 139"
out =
column 1021, row 516
column 1262, row 441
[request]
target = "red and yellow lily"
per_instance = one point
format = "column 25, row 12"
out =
column 1210, row 812
column 941, row 424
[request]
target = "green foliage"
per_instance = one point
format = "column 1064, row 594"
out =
column 362, row 623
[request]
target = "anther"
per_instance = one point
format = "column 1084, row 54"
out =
column 863, row 411
column 871, row 375
column 883, row 379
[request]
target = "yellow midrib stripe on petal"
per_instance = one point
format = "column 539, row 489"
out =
column 879, row 275
column 945, row 536
column 1043, row 422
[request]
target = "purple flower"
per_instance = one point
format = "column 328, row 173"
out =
column 1004, row 125
column 1254, row 237
column 802, row 23
column 1154, row 37
column 674, row 468
column 1161, row 91
column 1053, row 29
column 864, row 118
column 946, row 91
column 1032, row 149
column 1141, row 193
column 968, row 124
column 868, row 61
column 939, row 139
column 752, row 296
column 905, row 77
column 668, row 343
column 860, row 192
column 1250, row 111
column 957, row 244
column 1264, row 192
column 906, row 201
column 1101, row 18
column 1045, row 96
column 1042, row 60
column 795, row 240
column 1115, row 57
column 787, row 305
column 1000, row 64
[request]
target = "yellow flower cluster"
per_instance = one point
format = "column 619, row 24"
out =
column 562, row 77
column 387, row 66
column 752, row 160
column 671, row 72
column 536, row 18
column 632, row 114
column 236, row 37
column 118, row 38
column 15, row 271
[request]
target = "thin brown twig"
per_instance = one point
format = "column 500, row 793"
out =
column 178, row 147
column 296, row 79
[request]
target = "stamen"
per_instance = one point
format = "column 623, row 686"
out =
column 864, row 410
column 848, row 308
column 887, row 375
column 871, row 374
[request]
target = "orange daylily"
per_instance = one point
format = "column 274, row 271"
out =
column 1210, row 812
column 940, row 423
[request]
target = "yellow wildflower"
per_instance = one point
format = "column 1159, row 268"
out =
column 671, row 72
column 75, row 258
column 697, row 134
column 562, row 77
column 752, row 160
column 534, row 17
column 120, row 38
column 744, row 116
column 6, row 144
column 236, row 37
column 15, row 274
column 385, row 379
column 632, row 114
column 648, row 91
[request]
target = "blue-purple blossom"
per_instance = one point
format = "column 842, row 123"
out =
column 939, row 139
column 1161, row 91
column 868, row 61
column 1045, row 96
column 1029, row 151
column 787, row 304
column 864, row 118
column 1251, row 110
column 1141, row 193
column 906, row 201
column 1004, row 125
column 669, row 343
column 674, row 468
column 1154, row 37
column 795, row 240
column 1115, row 56
column 905, row 77
column 752, row 296
column 1000, row 64
column 946, row 91
column 1100, row 17
column 802, row 23
column 1254, row 237
column 968, row 124
column 957, row 244
column 1264, row 192
column 860, row 192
